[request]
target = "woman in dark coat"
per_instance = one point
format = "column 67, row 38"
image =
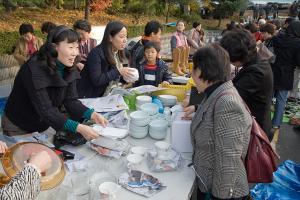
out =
column 103, row 68
column 254, row 81
column 287, row 50
column 46, row 83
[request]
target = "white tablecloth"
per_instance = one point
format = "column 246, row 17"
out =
column 179, row 183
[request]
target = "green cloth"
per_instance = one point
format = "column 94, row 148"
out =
column 71, row 125
column 60, row 68
column 285, row 118
column 88, row 113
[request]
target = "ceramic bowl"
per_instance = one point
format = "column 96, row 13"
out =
column 140, row 100
column 158, row 125
column 168, row 100
column 138, row 132
column 139, row 118
column 158, row 135
column 150, row 108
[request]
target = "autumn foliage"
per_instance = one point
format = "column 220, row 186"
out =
column 100, row 5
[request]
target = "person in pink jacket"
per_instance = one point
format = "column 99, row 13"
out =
column 180, row 49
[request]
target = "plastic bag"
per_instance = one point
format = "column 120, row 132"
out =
column 173, row 163
column 286, row 184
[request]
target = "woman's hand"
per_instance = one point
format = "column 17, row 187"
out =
column 99, row 119
column 3, row 147
column 128, row 74
column 186, row 101
column 41, row 160
column 188, row 112
column 165, row 83
column 80, row 66
column 87, row 132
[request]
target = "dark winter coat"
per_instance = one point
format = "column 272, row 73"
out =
column 162, row 73
column 37, row 96
column 287, row 50
column 96, row 75
column 254, row 83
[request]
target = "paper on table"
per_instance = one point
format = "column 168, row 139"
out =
column 145, row 89
column 78, row 163
column 106, row 104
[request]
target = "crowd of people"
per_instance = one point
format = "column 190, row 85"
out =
column 69, row 65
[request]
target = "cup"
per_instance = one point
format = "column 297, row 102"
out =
column 162, row 149
column 138, row 150
column 133, row 161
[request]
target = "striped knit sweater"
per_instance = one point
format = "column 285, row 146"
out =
column 25, row 185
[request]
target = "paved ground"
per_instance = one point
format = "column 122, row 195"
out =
column 288, row 146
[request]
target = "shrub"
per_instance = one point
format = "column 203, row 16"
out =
column 116, row 7
column 190, row 18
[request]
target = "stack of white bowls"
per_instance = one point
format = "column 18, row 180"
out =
column 140, row 100
column 138, row 127
column 168, row 100
column 158, row 129
column 151, row 109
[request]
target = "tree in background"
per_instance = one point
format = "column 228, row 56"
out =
column 139, row 8
column 186, row 6
column 87, row 10
column 116, row 7
column 95, row 5
column 226, row 8
column 100, row 5
column 9, row 5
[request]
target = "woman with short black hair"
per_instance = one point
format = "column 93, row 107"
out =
column 47, row 27
column 103, row 68
column 86, row 43
column 45, row 84
column 254, row 81
column 220, row 129
column 27, row 45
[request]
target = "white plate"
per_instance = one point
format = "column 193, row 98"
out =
column 110, row 132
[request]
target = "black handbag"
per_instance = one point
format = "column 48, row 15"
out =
column 62, row 138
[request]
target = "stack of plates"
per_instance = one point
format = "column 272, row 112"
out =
column 168, row 100
column 158, row 129
column 140, row 100
column 138, row 127
column 150, row 108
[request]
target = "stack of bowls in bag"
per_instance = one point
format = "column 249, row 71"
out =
column 158, row 129
column 151, row 109
column 138, row 127
column 140, row 100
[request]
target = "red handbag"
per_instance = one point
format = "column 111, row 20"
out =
column 260, row 161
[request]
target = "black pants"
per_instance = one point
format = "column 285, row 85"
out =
column 201, row 196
